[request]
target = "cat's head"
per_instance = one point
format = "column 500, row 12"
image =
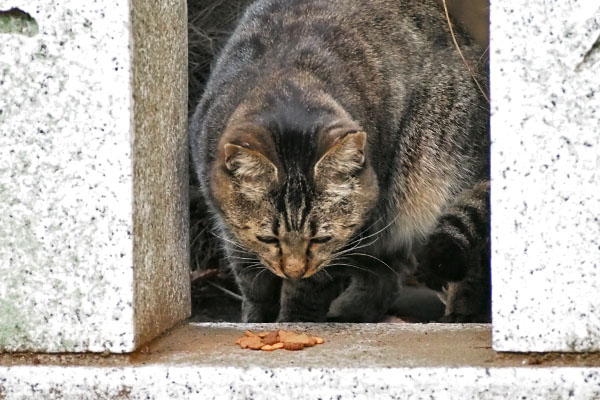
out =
column 294, row 198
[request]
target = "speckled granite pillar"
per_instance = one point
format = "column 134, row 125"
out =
column 545, row 89
column 93, row 198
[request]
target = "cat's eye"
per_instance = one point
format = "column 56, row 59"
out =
column 267, row 239
column 321, row 239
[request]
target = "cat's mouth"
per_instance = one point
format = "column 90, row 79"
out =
column 317, row 268
column 293, row 273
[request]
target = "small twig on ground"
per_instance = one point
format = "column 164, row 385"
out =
column 483, row 54
column 226, row 291
column 201, row 275
column 461, row 53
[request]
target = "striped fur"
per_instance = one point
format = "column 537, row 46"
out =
column 457, row 251
column 334, row 140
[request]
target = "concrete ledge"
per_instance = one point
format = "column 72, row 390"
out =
column 357, row 361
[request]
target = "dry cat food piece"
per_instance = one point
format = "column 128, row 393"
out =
column 271, row 338
column 276, row 346
column 274, row 340
column 293, row 346
column 250, row 342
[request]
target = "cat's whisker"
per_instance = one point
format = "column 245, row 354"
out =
column 245, row 255
column 352, row 266
column 193, row 242
column 251, row 269
column 242, row 258
column 356, row 247
column 348, row 260
column 323, row 270
column 384, row 228
column 375, row 258
column 249, row 265
column 197, row 223
column 237, row 250
column 353, row 248
column 354, row 243
column 374, row 223
column 257, row 275
column 360, row 238
column 229, row 241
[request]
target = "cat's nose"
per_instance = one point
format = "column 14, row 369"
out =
column 294, row 268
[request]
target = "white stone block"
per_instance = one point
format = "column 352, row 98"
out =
column 93, row 198
column 357, row 361
column 545, row 91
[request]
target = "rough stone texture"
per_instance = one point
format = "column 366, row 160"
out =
column 545, row 94
column 363, row 361
column 67, row 179
column 160, row 174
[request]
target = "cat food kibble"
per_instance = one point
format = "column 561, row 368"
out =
column 275, row 340
column 250, row 342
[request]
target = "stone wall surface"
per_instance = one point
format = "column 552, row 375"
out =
column 173, row 381
column 71, row 143
column 545, row 91
column 160, row 175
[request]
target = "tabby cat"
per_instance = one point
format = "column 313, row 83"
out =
column 336, row 141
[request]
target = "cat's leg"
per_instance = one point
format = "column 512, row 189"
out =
column 260, row 291
column 307, row 300
column 458, row 251
column 369, row 293
column 469, row 299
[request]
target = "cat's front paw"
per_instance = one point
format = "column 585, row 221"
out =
column 468, row 301
column 347, row 318
column 300, row 317
column 253, row 311
column 356, row 307
column 458, row 318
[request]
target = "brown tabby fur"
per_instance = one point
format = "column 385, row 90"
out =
column 334, row 140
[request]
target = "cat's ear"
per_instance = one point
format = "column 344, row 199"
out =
column 249, row 165
column 345, row 157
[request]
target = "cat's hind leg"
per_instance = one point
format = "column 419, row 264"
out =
column 457, row 252
column 469, row 300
